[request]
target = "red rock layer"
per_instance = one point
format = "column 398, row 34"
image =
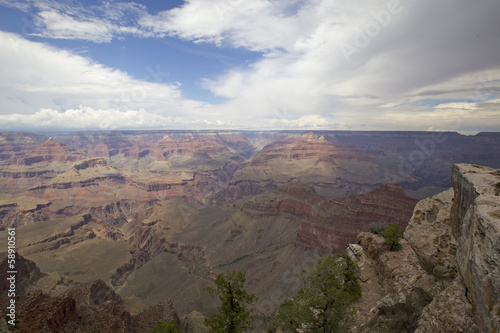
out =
column 199, row 147
column 338, row 222
column 335, row 223
column 51, row 151
column 307, row 146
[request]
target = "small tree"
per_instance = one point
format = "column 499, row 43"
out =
column 392, row 234
column 169, row 326
column 234, row 314
column 324, row 303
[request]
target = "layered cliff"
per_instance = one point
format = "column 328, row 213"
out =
column 446, row 278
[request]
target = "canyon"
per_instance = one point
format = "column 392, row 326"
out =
column 149, row 218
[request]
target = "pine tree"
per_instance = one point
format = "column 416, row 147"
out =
column 324, row 303
column 234, row 314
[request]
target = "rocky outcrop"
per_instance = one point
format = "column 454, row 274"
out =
column 449, row 312
column 27, row 274
column 89, row 163
column 475, row 217
column 12, row 216
column 92, row 307
column 429, row 233
column 455, row 238
column 61, row 312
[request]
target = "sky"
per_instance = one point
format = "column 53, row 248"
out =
column 250, row 65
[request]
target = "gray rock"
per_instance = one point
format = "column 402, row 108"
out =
column 356, row 253
column 475, row 218
column 430, row 235
column 371, row 243
column 449, row 312
column 393, row 303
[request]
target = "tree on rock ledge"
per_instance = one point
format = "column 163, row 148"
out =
column 234, row 314
column 392, row 234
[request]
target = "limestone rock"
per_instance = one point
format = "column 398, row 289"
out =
column 373, row 244
column 356, row 253
column 393, row 303
column 400, row 311
column 475, row 217
column 449, row 312
column 430, row 235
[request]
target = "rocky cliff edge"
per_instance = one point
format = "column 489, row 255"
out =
column 446, row 277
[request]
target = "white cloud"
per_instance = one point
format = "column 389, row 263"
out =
column 401, row 55
column 61, row 26
column 256, row 25
column 459, row 106
column 35, row 75
column 89, row 118
column 98, row 23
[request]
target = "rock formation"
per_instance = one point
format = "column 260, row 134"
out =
column 429, row 232
column 52, row 151
column 455, row 240
column 475, row 218
column 27, row 274
column 88, row 307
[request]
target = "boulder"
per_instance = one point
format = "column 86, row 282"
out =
column 449, row 312
column 430, row 235
column 356, row 253
column 373, row 244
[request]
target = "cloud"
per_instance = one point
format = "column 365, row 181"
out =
column 395, row 64
column 34, row 76
column 107, row 119
column 459, row 106
column 98, row 23
column 258, row 25
column 402, row 50
column 63, row 26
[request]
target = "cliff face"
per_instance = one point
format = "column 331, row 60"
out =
column 475, row 219
column 455, row 287
column 332, row 224
column 51, row 151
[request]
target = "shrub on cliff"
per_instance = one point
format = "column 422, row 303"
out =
column 234, row 314
column 392, row 234
column 324, row 303
column 167, row 327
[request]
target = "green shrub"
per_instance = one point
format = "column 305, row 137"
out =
column 392, row 234
column 324, row 303
column 169, row 326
